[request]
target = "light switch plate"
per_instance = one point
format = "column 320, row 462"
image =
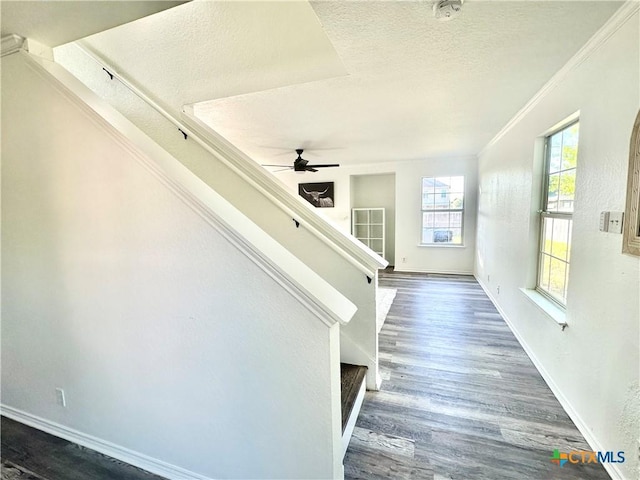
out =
column 604, row 221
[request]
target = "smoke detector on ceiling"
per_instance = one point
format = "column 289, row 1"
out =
column 445, row 10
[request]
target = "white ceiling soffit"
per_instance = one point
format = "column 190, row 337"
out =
column 206, row 50
column 417, row 88
column 54, row 23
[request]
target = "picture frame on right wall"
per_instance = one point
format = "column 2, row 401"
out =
column 631, row 226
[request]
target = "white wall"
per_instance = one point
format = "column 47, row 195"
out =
column 410, row 255
column 408, row 175
column 594, row 364
column 277, row 222
column 378, row 191
column 340, row 215
column 167, row 339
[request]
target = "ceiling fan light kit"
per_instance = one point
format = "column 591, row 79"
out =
column 445, row 10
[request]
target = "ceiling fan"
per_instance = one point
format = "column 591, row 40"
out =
column 302, row 165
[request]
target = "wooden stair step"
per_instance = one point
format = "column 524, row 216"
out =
column 351, row 378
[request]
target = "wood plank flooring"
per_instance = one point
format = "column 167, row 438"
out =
column 351, row 378
column 30, row 454
column 460, row 399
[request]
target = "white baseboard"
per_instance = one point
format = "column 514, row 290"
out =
column 611, row 468
column 136, row 459
column 401, row 269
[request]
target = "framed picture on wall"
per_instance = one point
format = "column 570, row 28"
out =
column 319, row 195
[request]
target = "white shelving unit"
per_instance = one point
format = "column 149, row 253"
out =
column 367, row 225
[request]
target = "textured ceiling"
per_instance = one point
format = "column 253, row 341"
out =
column 417, row 88
column 349, row 81
column 205, row 50
column 53, row 23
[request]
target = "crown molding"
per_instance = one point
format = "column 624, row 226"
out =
column 617, row 20
column 11, row 44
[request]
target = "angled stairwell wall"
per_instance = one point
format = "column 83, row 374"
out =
column 254, row 192
column 187, row 341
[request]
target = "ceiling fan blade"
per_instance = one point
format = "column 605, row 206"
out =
column 309, row 168
column 324, row 165
column 280, row 170
column 267, row 165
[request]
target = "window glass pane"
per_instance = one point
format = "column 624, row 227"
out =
column 555, row 238
column 440, row 195
column 555, row 159
column 442, row 219
column 566, row 190
column 557, row 278
column 457, row 184
column 547, row 235
column 428, row 201
column 543, row 280
column 456, row 200
column 456, row 219
column 570, row 147
column 552, row 192
column 441, row 235
column 560, row 238
column 569, row 240
column 555, row 247
column 427, row 219
column 428, row 185
column 441, row 200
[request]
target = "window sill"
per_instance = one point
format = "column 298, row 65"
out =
column 549, row 308
column 437, row 245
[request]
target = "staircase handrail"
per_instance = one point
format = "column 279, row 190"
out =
column 347, row 246
column 315, row 293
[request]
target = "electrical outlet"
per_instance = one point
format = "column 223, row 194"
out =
column 60, row 398
column 615, row 222
column 404, row 259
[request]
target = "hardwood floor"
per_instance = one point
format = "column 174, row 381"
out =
column 29, row 454
column 351, row 379
column 460, row 399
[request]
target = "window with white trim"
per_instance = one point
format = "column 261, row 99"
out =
column 556, row 215
column 442, row 210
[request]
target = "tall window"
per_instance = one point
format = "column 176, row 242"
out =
column 442, row 210
column 561, row 159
